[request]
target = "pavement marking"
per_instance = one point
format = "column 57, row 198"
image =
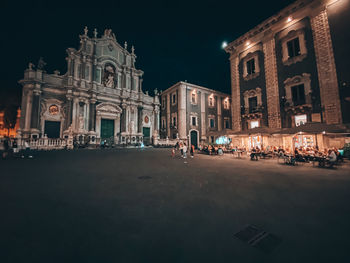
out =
column 258, row 238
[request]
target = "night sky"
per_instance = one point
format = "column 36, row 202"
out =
column 174, row 40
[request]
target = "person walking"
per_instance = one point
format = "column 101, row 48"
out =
column 192, row 151
column 173, row 151
column 184, row 149
column 181, row 149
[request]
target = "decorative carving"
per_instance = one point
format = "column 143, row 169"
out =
column 85, row 31
column 109, row 77
column 41, row 63
column 53, row 110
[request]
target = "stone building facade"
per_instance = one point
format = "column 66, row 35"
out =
column 193, row 113
column 99, row 97
column 293, row 68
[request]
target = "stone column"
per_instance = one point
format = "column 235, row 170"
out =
column 218, row 107
column 326, row 70
column 203, row 117
column 272, row 92
column 28, row 112
column 75, row 113
column 168, row 117
column 69, row 111
column 123, row 118
column 182, row 112
column 92, row 117
column 139, row 119
column 35, row 110
column 156, row 119
column 236, row 93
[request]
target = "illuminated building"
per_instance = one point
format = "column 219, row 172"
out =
column 99, row 97
column 291, row 71
column 194, row 113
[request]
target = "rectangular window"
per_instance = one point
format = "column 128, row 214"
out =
column 226, row 105
column 163, row 103
column 193, row 98
column 253, row 104
column 254, row 124
column 211, row 123
column 163, row 123
column 174, row 98
column 300, row 119
column 174, row 121
column 227, row 124
column 211, row 102
column 251, row 66
column 194, row 121
column 293, row 47
column 298, row 95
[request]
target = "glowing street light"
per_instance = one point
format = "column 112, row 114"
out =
column 224, row 44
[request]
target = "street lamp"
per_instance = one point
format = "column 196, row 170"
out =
column 224, row 45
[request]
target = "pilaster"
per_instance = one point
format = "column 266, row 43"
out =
column 326, row 69
column 236, row 101
column 272, row 92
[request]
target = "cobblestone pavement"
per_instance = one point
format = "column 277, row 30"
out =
column 132, row 205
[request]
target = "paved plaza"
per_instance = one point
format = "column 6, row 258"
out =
column 133, row 205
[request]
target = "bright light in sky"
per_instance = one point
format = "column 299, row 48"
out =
column 224, row 44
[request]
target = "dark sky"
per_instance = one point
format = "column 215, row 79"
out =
column 174, row 40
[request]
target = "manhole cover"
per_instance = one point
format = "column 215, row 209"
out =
column 258, row 238
column 145, row 177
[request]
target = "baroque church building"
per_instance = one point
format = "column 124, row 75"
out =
column 100, row 96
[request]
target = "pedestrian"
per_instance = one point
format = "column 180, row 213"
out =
column 181, row 149
column 6, row 148
column 192, row 151
column 172, row 152
column 15, row 147
column 28, row 151
column 184, row 149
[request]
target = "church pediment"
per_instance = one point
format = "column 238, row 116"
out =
column 107, row 107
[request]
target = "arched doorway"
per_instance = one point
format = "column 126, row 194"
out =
column 194, row 138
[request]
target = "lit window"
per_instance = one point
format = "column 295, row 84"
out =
column 211, row 101
column 300, row 119
column 193, row 98
column 226, row 104
column 254, row 124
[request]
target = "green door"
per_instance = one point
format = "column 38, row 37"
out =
column 146, row 135
column 107, row 128
column 194, row 139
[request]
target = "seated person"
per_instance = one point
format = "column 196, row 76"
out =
column 332, row 157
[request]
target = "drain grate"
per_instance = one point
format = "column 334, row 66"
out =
column 145, row 177
column 258, row 238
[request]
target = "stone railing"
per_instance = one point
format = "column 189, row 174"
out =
column 166, row 142
column 47, row 144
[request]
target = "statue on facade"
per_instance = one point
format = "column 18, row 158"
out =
column 108, row 33
column 109, row 76
column 86, row 31
column 95, row 33
column 81, row 122
column 30, row 66
column 133, row 50
column 41, row 63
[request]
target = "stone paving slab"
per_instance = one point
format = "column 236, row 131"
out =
column 133, row 205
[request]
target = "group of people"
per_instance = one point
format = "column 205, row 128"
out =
column 183, row 149
column 10, row 148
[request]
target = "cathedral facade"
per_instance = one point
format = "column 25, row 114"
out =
column 100, row 96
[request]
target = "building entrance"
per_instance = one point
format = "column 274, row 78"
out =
column 194, row 139
column 52, row 129
column 107, row 128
